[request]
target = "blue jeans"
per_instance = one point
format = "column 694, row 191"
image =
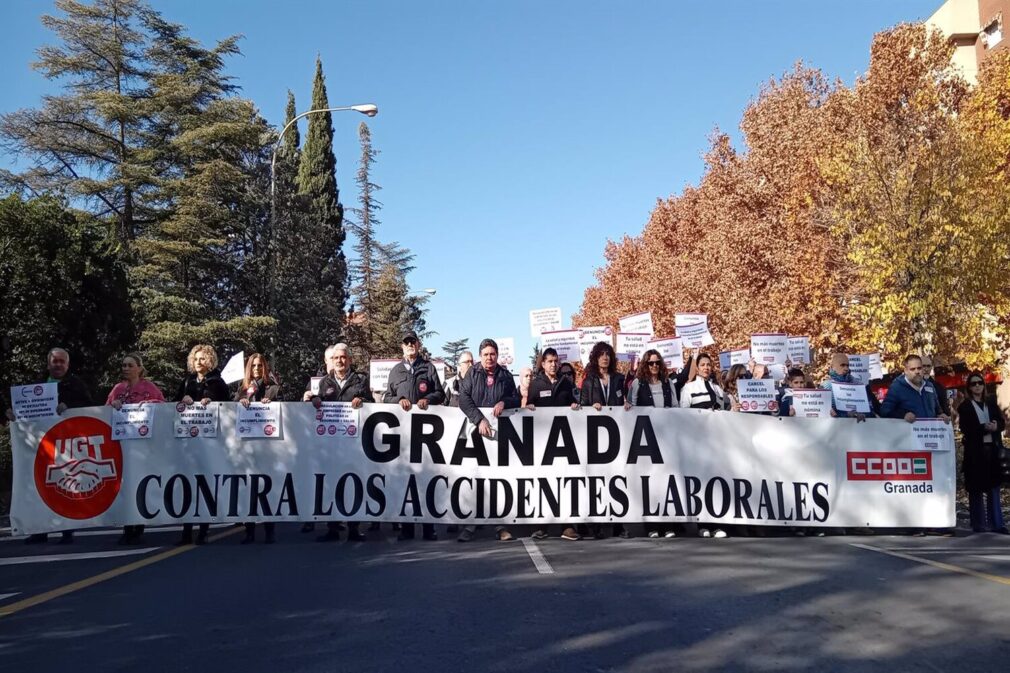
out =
column 985, row 510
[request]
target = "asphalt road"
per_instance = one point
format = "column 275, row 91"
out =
column 883, row 603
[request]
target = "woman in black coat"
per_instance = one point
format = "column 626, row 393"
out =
column 982, row 426
column 258, row 385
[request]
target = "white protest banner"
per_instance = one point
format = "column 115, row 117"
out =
column 874, row 366
column 637, row 323
column 36, row 400
column 337, row 418
column 850, row 397
column 133, row 421
column 769, row 349
column 671, row 349
column 933, row 434
column 235, row 369
column 565, row 342
column 439, row 369
column 630, row 346
column 811, row 402
column 378, row 373
column 506, row 352
column 695, row 336
column 724, row 360
column 314, row 384
column 259, row 421
column 685, row 319
column 859, row 367
column 544, row 320
column 590, row 336
column 829, row 473
column 196, row 420
column 799, row 350
column 757, row 395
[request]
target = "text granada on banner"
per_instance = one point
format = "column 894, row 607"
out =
column 547, row 466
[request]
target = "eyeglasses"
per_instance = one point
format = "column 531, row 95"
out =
column 976, row 383
column 409, row 341
column 653, row 363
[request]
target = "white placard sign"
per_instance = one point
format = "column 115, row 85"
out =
column 565, row 342
column 196, row 420
column 631, row 345
column 769, row 349
column 799, row 350
column 850, row 397
column 933, row 434
column 439, row 369
column 874, row 366
column 337, row 419
column 671, row 349
column 378, row 373
column 638, row 323
column 695, row 336
column 36, row 400
column 685, row 319
column 833, row 473
column 314, row 384
column 133, row 421
column 259, row 421
column 544, row 320
column 727, row 359
column 590, row 336
column 235, row 369
column 859, row 367
column 811, row 402
column 506, row 352
column 757, row 395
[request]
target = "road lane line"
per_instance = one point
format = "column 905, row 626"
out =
column 999, row 579
column 114, row 531
column 4, row 597
column 542, row 564
column 47, row 596
column 81, row 556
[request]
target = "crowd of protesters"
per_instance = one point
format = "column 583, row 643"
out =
column 606, row 384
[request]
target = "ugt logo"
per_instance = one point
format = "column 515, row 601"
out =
column 79, row 468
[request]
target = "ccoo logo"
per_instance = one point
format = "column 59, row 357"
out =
column 889, row 466
column 79, row 468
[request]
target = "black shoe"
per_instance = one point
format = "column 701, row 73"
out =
column 308, row 527
column 356, row 536
column 452, row 528
column 396, row 526
column 374, row 525
column 37, row 538
column 331, row 535
column 624, row 534
column 404, row 536
column 248, row 539
column 187, row 538
column 124, row 539
column 201, row 538
column 430, row 537
column 67, row 537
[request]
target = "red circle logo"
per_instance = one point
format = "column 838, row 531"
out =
column 352, row 430
column 250, row 391
column 332, row 430
column 38, row 390
column 423, row 386
column 320, row 429
column 773, row 405
column 194, row 431
column 143, row 430
column 180, row 407
column 79, row 468
column 268, row 430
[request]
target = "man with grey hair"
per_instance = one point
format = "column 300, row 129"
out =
column 72, row 393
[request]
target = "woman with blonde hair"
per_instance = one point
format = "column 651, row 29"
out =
column 258, row 385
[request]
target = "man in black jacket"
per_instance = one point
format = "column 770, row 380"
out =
column 414, row 381
column 487, row 385
column 342, row 384
column 72, row 393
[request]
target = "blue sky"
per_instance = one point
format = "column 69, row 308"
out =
column 516, row 137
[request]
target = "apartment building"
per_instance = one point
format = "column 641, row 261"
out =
column 976, row 29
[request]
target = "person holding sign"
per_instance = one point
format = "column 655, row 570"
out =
column 133, row 389
column 72, row 393
column 839, row 373
column 343, row 384
column 488, row 385
column 602, row 385
column 795, row 380
column 651, row 387
column 982, row 425
column 204, row 384
column 258, row 385
column 452, row 385
column 731, row 401
column 701, row 391
column 414, row 381
column 911, row 396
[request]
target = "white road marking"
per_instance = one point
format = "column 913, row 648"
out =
column 541, row 563
column 995, row 557
column 4, row 597
column 51, row 558
column 999, row 579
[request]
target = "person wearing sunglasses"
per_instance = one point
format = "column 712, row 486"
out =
column 982, row 424
column 412, row 381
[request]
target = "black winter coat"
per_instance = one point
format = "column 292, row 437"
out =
column 261, row 391
column 356, row 385
column 981, row 459
column 421, row 383
column 71, row 391
column 592, row 391
column 543, row 393
column 212, row 387
column 475, row 393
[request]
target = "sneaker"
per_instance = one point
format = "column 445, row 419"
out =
column 669, row 534
column 430, row 537
column 570, row 534
column 704, row 532
column 654, row 534
column 539, row 534
column 465, row 535
column 505, row 536
column 719, row 533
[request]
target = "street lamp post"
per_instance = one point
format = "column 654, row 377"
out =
column 368, row 109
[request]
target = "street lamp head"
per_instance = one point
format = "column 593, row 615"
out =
column 369, row 110
column 429, row 290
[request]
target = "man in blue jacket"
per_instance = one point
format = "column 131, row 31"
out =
column 911, row 396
